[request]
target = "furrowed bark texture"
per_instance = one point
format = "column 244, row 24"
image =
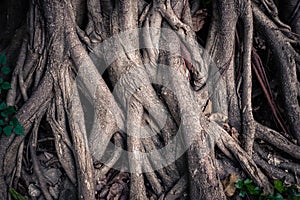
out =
column 120, row 100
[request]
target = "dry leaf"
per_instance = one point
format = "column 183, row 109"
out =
column 229, row 184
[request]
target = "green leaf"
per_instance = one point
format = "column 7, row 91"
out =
column 292, row 192
column 4, row 114
column 279, row 185
column 14, row 122
column 239, row 184
column 1, row 122
column 2, row 59
column 271, row 197
column 2, row 106
column 278, row 196
column 252, row 189
column 296, row 196
column 19, row 130
column 1, row 80
column 7, row 130
column 247, row 181
column 5, row 86
column 10, row 110
column 15, row 195
column 5, row 70
column 242, row 193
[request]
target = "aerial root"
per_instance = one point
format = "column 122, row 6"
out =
column 246, row 162
column 274, row 138
column 247, row 115
column 35, row 162
column 177, row 190
column 63, row 144
column 269, row 164
column 103, row 169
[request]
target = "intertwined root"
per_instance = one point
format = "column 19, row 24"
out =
column 157, row 88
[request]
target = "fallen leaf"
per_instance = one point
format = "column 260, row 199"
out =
column 229, row 184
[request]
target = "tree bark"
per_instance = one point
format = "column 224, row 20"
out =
column 120, row 98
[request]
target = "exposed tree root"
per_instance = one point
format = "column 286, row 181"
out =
column 137, row 128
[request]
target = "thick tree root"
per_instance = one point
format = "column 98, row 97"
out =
column 157, row 101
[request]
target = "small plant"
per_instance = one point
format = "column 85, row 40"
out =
column 248, row 189
column 15, row 195
column 8, row 123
